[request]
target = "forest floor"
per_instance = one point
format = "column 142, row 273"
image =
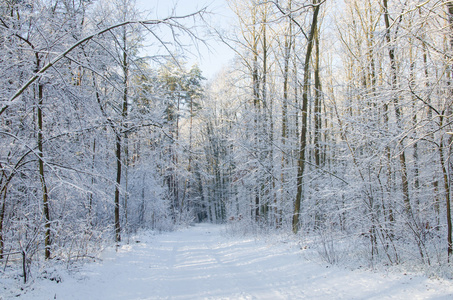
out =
column 203, row 262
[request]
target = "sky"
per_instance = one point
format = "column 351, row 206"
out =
column 218, row 55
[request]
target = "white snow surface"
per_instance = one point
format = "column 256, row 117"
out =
column 200, row 262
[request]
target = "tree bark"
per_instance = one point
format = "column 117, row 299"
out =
column 284, row 161
column 45, row 195
column 402, row 156
column 317, row 104
column 2, row 218
column 117, row 189
column 256, row 106
column 125, row 66
column 444, row 167
column 303, row 134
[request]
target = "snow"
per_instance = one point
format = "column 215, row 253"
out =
column 201, row 262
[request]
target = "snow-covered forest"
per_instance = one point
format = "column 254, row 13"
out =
column 333, row 122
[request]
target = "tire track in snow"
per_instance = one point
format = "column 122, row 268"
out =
column 199, row 263
column 203, row 265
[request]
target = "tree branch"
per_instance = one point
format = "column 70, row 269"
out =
column 38, row 74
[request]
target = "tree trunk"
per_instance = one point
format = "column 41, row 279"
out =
column 303, row 134
column 317, row 104
column 447, row 198
column 444, row 167
column 2, row 218
column 256, row 106
column 45, row 195
column 124, row 113
column 90, row 197
column 402, row 156
column 117, row 189
column 284, row 160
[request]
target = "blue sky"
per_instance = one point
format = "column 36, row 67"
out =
column 211, row 61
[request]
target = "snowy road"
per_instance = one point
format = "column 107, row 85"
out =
column 198, row 263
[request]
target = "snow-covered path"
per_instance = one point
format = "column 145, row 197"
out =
column 198, row 263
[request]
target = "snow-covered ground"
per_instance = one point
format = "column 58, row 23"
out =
column 201, row 263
